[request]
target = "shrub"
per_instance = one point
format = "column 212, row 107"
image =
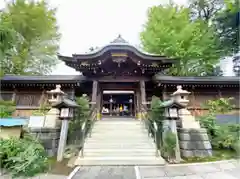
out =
column 222, row 136
column 6, row 108
column 236, row 147
column 169, row 145
column 82, row 113
column 23, row 157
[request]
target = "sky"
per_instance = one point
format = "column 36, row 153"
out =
column 90, row 23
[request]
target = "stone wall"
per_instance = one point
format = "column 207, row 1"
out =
column 49, row 137
column 194, row 143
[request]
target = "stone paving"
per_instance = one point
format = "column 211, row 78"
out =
column 106, row 172
column 216, row 170
column 219, row 170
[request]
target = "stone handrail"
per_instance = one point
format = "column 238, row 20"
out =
column 89, row 120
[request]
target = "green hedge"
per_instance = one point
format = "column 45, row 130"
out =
column 23, row 157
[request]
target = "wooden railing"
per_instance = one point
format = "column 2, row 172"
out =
column 87, row 126
column 152, row 128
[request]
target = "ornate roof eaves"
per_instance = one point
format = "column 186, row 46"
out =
column 117, row 46
column 65, row 58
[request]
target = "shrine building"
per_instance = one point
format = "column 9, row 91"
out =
column 114, row 77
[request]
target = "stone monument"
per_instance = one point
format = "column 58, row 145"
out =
column 194, row 140
column 51, row 120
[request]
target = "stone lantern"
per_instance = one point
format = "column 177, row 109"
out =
column 51, row 120
column 186, row 118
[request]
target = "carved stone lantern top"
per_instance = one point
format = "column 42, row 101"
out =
column 57, row 90
column 180, row 91
column 181, row 96
column 56, row 94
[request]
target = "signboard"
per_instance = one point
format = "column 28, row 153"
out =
column 36, row 121
column 64, row 112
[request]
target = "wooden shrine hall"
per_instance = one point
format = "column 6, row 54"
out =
column 118, row 78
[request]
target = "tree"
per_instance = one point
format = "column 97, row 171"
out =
column 37, row 39
column 227, row 25
column 7, row 40
column 205, row 9
column 169, row 31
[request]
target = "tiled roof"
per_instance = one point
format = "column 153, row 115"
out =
column 200, row 79
column 46, row 78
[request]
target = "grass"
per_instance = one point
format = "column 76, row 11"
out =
column 59, row 168
column 218, row 155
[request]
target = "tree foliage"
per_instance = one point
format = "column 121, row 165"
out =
column 224, row 17
column 169, row 31
column 227, row 26
column 29, row 37
column 205, row 9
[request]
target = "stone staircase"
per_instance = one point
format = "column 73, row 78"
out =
column 119, row 142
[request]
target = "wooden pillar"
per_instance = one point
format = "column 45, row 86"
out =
column 220, row 92
column 72, row 94
column 193, row 100
column 138, row 104
column 41, row 101
column 14, row 95
column 143, row 92
column 94, row 92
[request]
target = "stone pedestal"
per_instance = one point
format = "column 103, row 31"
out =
column 194, row 143
column 187, row 120
column 49, row 137
column 51, row 120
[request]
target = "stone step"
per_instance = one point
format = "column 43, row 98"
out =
column 106, row 150
column 118, row 124
column 109, row 142
column 121, row 154
column 120, row 161
column 115, row 128
column 118, row 139
column 147, row 145
column 123, row 135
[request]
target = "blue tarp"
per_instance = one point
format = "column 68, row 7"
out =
column 228, row 119
column 12, row 122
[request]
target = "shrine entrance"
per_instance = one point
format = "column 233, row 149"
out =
column 118, row 103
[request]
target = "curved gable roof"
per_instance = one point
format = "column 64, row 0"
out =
column 117, row 44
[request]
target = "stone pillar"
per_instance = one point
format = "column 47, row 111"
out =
column 173, row 128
